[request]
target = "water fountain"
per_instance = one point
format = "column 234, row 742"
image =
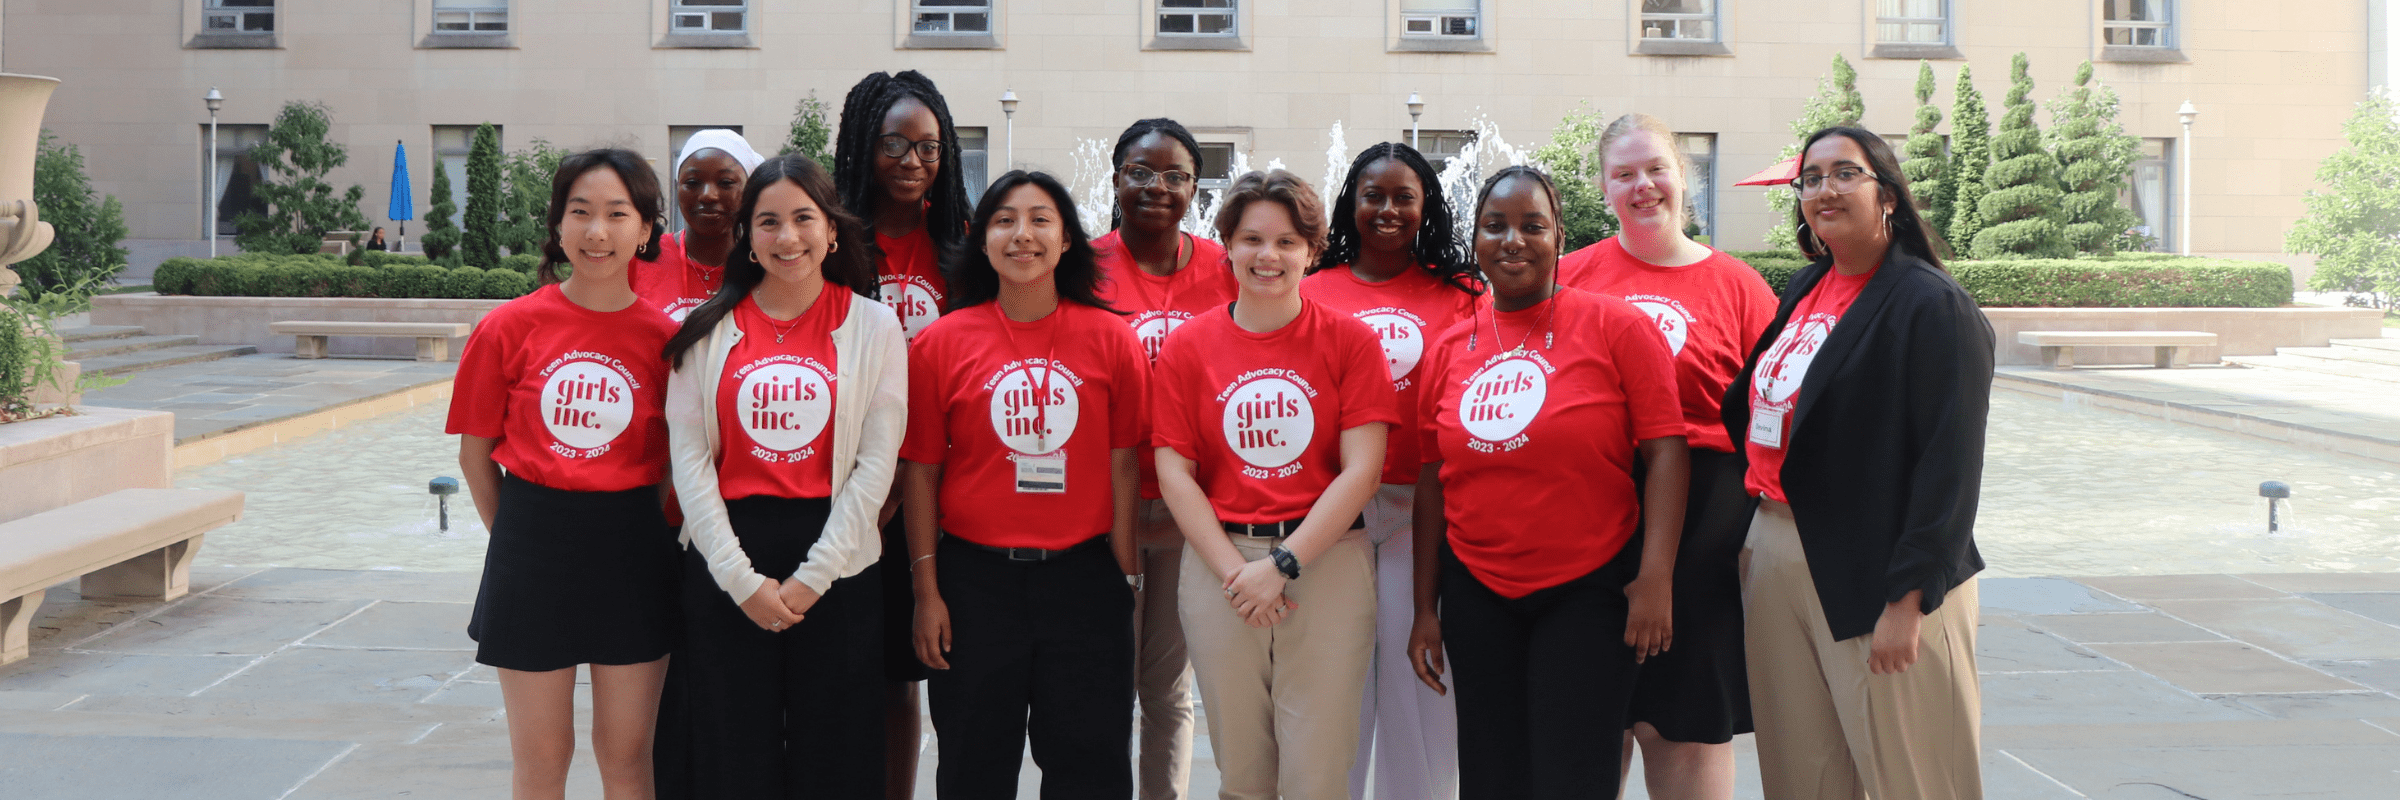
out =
column 442, row 488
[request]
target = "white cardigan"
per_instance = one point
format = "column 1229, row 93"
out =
column 870, row 414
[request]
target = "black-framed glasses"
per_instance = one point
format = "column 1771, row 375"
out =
column 1841, row 181
column 1141, row 177
column 894, row 145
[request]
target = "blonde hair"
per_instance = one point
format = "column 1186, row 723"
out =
column 1631, row 124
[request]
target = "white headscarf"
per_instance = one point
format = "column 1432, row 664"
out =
column 720, row 139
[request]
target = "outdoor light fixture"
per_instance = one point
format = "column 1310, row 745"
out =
column 215, row 101
column 2183, row 228
column 1416, row 108
column 1008, row 108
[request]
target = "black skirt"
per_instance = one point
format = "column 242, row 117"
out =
column 1699, row 689
column 575, row 578
column 900, row 662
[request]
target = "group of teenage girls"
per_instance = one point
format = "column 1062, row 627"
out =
column 1418, row 512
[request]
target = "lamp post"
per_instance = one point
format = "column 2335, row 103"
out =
column 2183, row 226
column 1416, row 108
column 1008, row 108
column 215, row 100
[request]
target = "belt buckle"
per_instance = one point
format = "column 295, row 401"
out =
column 1038, row 554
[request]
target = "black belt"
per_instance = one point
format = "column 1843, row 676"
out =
column 1032, row 553
column 1273, row 530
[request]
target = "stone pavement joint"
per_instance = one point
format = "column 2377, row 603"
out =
column 216, row 398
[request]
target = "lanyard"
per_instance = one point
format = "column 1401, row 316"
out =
column 1041, row 399
column 1165, row 309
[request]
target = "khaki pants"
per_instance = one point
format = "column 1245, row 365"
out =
column 1829, row 728
column 1283, row 702
column 1162, row 671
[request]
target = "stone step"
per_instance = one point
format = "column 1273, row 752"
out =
column 2348, row 369
column 2366, row 355
column 149, row 359
column 96, row 348
column 2389, row 343
column 95, row 332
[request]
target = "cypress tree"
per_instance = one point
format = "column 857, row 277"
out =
column 2094, row 156
column 1924, row 159
column 441, row 234
column 2020, row 204
column 1836, row 103
column 1970, row 156
column 485, row 196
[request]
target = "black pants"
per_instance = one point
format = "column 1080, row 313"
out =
column 1039, row 648
column 796, row 713
column 1543, row 682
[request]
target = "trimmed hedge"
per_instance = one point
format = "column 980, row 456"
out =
column 380, row 274
column 2127, row 280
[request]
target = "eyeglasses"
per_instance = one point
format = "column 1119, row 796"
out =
column 1842, row 181
column 1141, row 177
column 895, row 145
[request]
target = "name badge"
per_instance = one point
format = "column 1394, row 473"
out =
column 1042, row 474
column 1766, row 427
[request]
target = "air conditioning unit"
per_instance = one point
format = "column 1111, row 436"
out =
column 1439, row 25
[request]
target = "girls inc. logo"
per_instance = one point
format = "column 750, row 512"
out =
column 1403, row 337
column 1152, row 327
column 1028, row 419
column 913, row 298
column 1674, row 321
column 587, row 399
column 682, row 307
column 1785, row 364
column 1501, row 400
column 1269, row 421
column 785, row 403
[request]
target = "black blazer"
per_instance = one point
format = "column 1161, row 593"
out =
column 1886, row 440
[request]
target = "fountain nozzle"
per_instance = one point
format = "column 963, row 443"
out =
column 2273, row 491
column 442, row 488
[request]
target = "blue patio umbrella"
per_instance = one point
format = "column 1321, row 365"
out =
column 404, row 204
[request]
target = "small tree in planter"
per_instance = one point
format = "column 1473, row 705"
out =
column 2020, row 202
column 481, row 243
column 812, row 134
column 441, row 235
column 2353, row 227
column 529, row 171
column 1837, row 103
column 2094, row 157
column 89, row 229
column 1970, row 156
column 300, row 206
column 1924, row 160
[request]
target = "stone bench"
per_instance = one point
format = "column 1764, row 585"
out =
column 132, row 543
column 433, row 338
column 2173, row 348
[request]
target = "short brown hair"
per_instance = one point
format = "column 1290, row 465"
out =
column 1278, row 186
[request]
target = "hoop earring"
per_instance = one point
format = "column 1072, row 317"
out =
column 1812, row 238
column 833, row 247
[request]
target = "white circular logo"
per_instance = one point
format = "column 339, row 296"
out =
column 1785, row 364
column 1671, row 322
column 586, row 404
column 914, row 301
column 682, row 307
column 1502, row 399
column 784, row 406
column 1268, row 422
column 1027, row 420
column 1403, row 341
column 1152, row 329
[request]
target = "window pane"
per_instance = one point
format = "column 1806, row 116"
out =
column 241, row 3
column 932, row 23
column 954, row 3
column 977, row 23
column 223, row 23
column 691, row 21
column 727, row 20
column 2135, row 10
column 1216, row 161
column 1418, row 25
column 490, row 23
column 1678, row 6
column 1458, row 26
column 714, row 3
column 1195, row 3
column 1215, row 23
column 1174, row 23
column 258, row 23
column 1429, row 6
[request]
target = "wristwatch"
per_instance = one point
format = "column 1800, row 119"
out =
column 1285, row 562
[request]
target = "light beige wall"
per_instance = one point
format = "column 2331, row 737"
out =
column 2273, row 82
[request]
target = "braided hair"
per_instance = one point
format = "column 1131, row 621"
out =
column 1438, row 247
column 1134, row 133
column 854, row 151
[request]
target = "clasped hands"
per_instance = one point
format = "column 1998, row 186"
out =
column 779, row 605
column 1255, row 591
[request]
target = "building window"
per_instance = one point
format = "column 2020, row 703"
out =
column 709, row 16
column 1701, row 150
column 1439, row 147
column 1912, row 21
column 2137, row 23
column 2151, row 195
column 1196, row 17
column 1680, row 20
column 450, row 145
column 236, row 175
column 1216, row 166
column 470, row 16
column 676, row 136
column 238, row 16
column 937, row 17
column 1454, row 19
column 974, row 158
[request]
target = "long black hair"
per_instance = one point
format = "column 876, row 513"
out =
column 640, row 183
column 854, row 155
column 1437, row 246
column 1909, row 231
column 973, row 281
column 1134, row 133
column 847, row 267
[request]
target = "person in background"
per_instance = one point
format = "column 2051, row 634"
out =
column 375, row 241
column 709, row 175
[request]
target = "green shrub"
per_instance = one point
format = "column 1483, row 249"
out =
column 173, row 276
column 16, row 366
column 522, row 263
column 463, row 283
column 412, row 280
column 379, row 258
column 89, row 228
column 502, row 284
column 2143, row 280
column 328, row 276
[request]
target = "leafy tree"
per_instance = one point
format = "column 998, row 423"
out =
column 1836, row 103
column 2020, row 205
column 89, row 228
column 812, row 135
column 2353, row 227
column 529, row 171
column 1572, row 159
column 441, row 234
column 300, row 206
column 2094, row 156
column 481, row 243
column 1924, row 160
column 1970, row 157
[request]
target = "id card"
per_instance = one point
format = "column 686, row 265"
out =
column 1766, row 427
column 1042, row 474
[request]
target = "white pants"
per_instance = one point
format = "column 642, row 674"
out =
column 1406, row 731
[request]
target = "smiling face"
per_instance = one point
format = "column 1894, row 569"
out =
column 601, row 231
column 906, row 178
column 1156, row 208
column 790, row 234
column 1025, row 237
column 1849, row 218
column 708, row 188
column 1644, row 182
column 1391, row 207
column 1267, row 251
column 1517, row 241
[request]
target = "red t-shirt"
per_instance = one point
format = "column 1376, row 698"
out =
column 1155, row 305
column 976, row 407
column 1775, row 384
column 910, row 280
column 573, row 395
column 775, row 401
column 1711, row 311
column 1537, row 476
column 675, row 284
column 1261, row 414
column 1405, row 312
